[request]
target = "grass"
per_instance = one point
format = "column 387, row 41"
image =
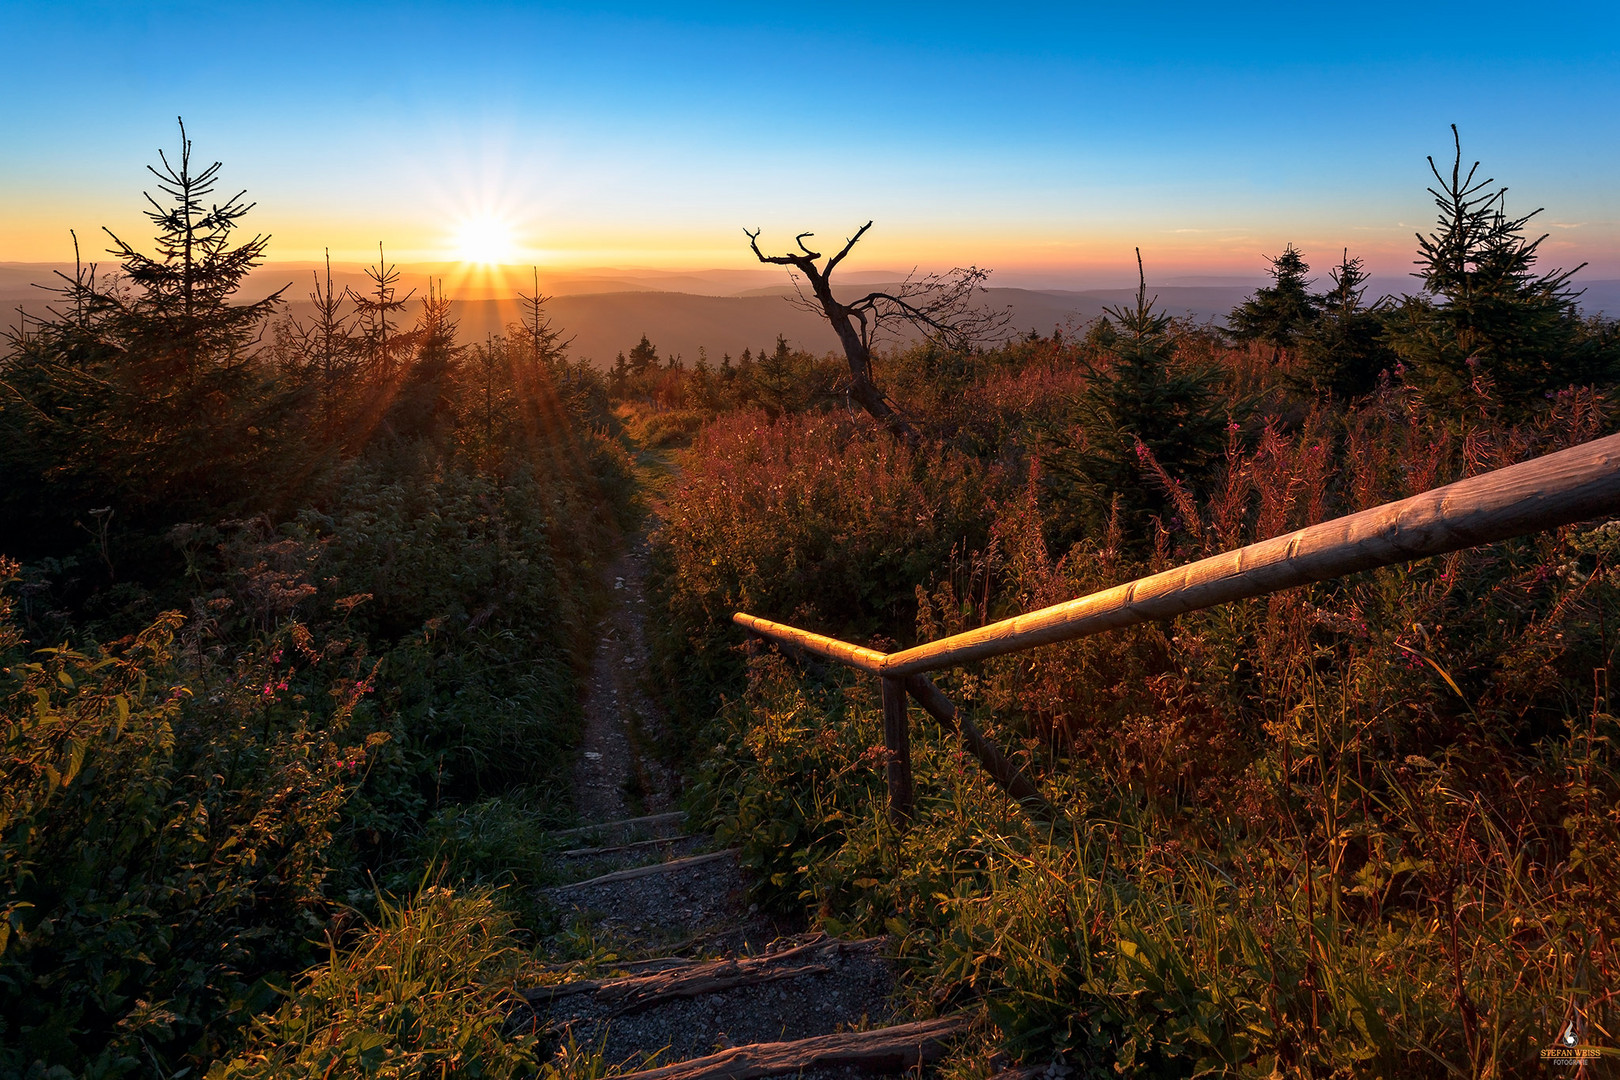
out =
column 1401, row 936
column 421, row 992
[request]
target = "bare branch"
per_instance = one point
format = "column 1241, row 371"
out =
column 850, row 243
column 940, row 304
column 943, row 304
column 802, row 262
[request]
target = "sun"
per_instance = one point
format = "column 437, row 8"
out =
column 487, row 241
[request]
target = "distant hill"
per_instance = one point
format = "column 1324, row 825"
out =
column 605, row 324
column 725, row 311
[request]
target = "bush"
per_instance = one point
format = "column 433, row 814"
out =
column 422, row 993
column 1351, row 830
column 164, row 831
column 823, row 520
column 667, row 429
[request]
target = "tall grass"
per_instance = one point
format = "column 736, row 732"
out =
column 1367, row 828
column 823, row 518
column 423, row 992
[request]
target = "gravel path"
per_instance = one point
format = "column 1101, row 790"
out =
column 688, row 911
column 614, row 778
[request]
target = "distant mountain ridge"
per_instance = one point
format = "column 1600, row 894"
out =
column 723, row 311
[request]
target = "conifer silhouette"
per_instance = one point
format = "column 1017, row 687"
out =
column 1278, row 314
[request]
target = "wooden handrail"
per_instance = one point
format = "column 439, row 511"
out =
column 1571, row 485
column 855, row 656
column 1543, row 493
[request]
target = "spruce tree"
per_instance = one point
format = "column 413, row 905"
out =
column 148, row 396
column 1486, row 317
column 426, row 395
column 1143, row 396
column 643, row 358
column 619, row 377
column 543, row 343
column 180, row 320
column 775, row 380
column 1278, row 314
column 327, row 346
column 375, row 311
column 1344, row 353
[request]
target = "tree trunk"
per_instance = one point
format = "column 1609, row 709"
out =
column 861, row 387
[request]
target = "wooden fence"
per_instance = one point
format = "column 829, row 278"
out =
column 1572, row 485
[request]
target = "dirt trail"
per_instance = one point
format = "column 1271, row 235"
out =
column 617, row 774
column 719, row 987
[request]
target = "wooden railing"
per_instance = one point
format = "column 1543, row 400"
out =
column 1544, row 493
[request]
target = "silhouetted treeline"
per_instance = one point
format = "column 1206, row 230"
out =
column 289, row 610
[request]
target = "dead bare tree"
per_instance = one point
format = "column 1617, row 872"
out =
column 940, row 306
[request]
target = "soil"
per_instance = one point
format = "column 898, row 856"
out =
column 617, row 775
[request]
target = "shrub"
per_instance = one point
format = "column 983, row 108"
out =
column 422, row 993
column 670, row 429
column 822, row 519
column 1352, row 830
column 164, row 836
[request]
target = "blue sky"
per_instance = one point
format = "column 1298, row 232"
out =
column 1046, row 142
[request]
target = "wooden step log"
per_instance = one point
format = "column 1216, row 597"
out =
column 579, row 853
column 630, row 967
column 623, row 823
column 644, row 871
column 903, row 1046
column 636, row 993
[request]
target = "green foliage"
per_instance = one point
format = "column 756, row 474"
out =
column 117, row 400
column 367, row 528
column 1344, row 353
column 1486, row 317
column 426, row 399
column 1278, row 315
column 1145, row 414
column 165, row 830
column 421, row 993
column 664, row 430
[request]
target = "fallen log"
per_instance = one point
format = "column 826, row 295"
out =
column 646, row 871
column 634, row 993
column 902, row 1046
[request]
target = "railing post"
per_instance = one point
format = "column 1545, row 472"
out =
column 1003, row 771
column 897, row 740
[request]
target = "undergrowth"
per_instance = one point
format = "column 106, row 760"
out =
column 1366, row 828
